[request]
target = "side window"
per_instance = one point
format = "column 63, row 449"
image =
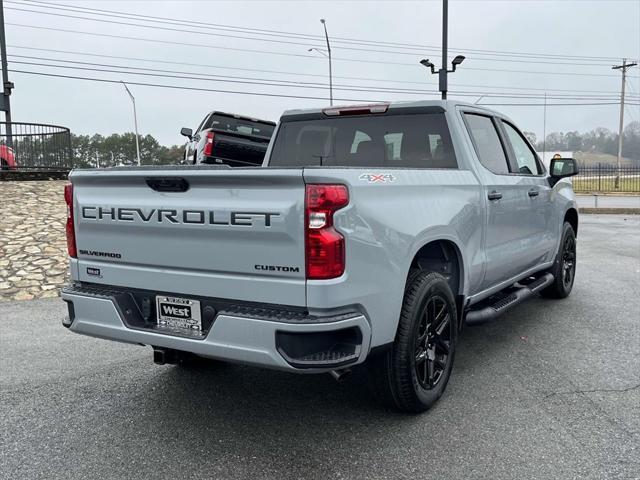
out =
column 524, row 156
column 487, row 143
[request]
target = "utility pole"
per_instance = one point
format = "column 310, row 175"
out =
column 326, row 36
column 623, row 69
column 7, row 86
column 135, row 119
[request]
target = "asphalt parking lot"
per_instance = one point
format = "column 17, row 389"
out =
column 552, row 390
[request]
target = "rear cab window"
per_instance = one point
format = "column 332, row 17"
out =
column 390, row 140
column 242, row 126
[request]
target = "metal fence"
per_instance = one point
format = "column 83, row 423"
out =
column 35, row 147
column 607, row 178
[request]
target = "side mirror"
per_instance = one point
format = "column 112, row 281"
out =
column 563, row 167
column 187, row 132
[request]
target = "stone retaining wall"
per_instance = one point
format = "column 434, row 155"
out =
column 33, row 248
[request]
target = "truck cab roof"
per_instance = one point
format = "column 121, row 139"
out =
column 435, row 105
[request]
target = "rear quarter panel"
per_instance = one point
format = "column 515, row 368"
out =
column 385, row 224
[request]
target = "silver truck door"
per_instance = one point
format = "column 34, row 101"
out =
column 536, row 192
column 507, row 239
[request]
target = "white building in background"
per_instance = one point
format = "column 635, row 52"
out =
column 548, row 155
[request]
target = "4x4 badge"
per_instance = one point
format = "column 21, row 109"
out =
column 377, row 177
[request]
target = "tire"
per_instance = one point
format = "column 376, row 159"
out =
column 564, row 267
column 413, row 374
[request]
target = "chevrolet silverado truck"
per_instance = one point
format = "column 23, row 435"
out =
column 228, row 139
column 370, row 236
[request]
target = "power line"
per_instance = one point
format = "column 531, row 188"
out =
column 280, row 83
column 168, row 42
column 315, row 87
column 631, row 111
column 537, row 72
column 289, row 73
column 265, row 32
column 179, row 87
column 262, row 94
column 191, row 31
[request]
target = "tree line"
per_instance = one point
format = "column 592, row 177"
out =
column 120, row 149
column 599, row 140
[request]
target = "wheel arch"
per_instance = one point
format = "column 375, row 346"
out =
column 443, row 256
column 571, row 216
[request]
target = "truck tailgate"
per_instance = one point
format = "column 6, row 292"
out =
column 235, row 234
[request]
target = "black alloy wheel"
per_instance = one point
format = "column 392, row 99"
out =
column 432, row 342
column 568, row 261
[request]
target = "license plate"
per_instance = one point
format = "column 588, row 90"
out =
column 175, row 312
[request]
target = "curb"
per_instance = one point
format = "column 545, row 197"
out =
column 611, row 211
column 607, row 194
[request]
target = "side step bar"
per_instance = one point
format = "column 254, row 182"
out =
column 490, row 312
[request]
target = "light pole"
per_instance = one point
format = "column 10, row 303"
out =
column 135, row 119
column 326, row 36
column 442, row 73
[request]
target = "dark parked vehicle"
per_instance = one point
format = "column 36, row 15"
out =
column 229, row 139
column 7, row 158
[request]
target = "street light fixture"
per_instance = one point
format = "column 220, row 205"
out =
column 457, row 61
column 320, row 51
column 442, row 73
column 135, row 119
column 427, row 63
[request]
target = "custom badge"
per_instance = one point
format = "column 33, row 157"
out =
column 377, row 178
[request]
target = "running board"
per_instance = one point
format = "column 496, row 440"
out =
column 504, row 304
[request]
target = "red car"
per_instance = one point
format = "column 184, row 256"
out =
column 7, row 158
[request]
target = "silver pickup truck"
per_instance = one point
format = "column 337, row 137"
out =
column 370, row 235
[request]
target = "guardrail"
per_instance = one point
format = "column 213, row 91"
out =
column 607, row 178
column 35, row 147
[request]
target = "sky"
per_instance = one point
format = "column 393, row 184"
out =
column 513, row 48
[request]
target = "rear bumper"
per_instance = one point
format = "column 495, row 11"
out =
column 299, row 344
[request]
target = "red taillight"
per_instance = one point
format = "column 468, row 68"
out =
column 208, row 146
column 71, row 234
column 324, row 244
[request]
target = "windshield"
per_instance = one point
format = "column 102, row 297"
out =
column 238, row 125
column 417, row 141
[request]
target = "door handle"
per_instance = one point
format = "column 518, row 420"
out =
column 534, row 193
column 494, row 195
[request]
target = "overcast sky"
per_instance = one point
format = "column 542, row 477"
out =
column 604, row 31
